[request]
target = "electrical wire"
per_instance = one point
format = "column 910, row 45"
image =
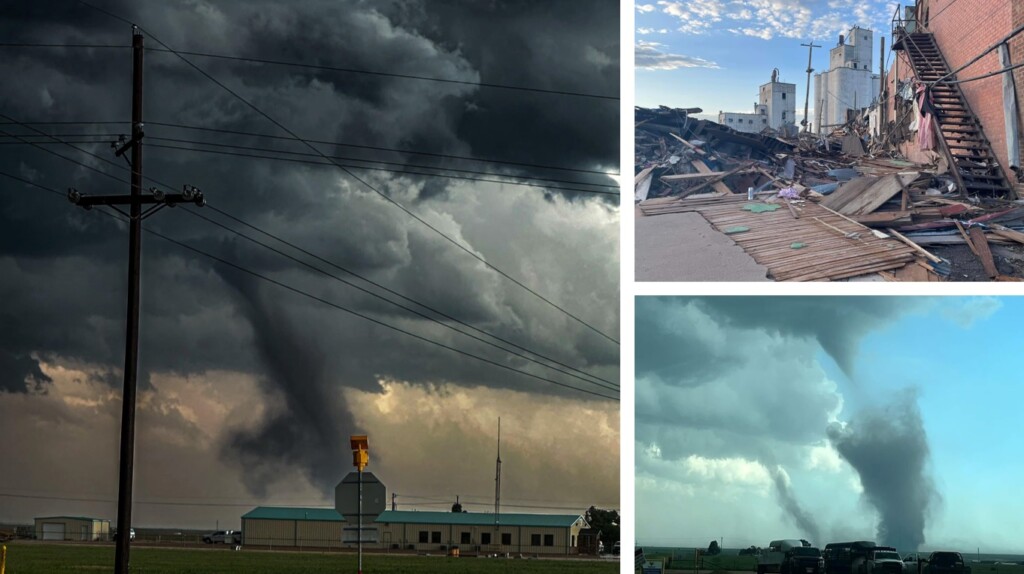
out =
column 613, row 387
column 331, row 304
column 388, row 149
column 357, row 178
column 332, row 162
column 437, row 167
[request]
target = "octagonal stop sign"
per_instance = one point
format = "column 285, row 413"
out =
column 346, row 496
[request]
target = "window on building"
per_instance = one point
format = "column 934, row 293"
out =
column 783, row 115
column 750, row 121
column 729, row 120
column 549, row 540
column 485, row 538
column 535, row 540
column 506, row 538
column 466, row 538
column 764, row 121
column 783, row 95
column 424, row 537
column 435, row 537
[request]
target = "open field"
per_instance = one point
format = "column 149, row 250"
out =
column 36, row 558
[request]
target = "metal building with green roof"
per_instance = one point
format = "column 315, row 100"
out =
column 480, row 532
column 291, row 527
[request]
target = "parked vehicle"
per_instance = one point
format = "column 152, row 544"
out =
column 223, row 537
column 945, row 563
column 772, row 558
column 616, row 549
column 803, row 560
column 846, row 557
column 131, row 533
column 911, row 562
column 882, row 560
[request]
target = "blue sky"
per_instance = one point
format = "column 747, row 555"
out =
column 714, row 54
column 729, row 389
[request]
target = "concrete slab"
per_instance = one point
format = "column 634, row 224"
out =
column 684, row 247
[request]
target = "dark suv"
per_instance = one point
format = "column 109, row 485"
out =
column 802, row 560
column 945, row 563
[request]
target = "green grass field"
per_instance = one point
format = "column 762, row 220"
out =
column 35, row 558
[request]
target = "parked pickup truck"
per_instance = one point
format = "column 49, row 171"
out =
column 223, row 537
column 803, row 560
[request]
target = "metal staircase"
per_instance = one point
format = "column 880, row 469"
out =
column 972, row 161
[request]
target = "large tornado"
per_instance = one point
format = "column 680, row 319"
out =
column 888, row 448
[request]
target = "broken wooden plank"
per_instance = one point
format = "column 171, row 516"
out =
column 688, row 144
column 984, row 253
column 642, row 175
column 857, row 198
column 883, row 218
column 1006, row 233
column 720, row 187
column 967, row 240
column 915, row 246
column 686, row 176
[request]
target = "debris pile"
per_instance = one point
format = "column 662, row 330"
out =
column 826, row 207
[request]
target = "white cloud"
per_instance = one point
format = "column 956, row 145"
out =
column 695, row 16
column 823, row 457
column 643, row 31
column 645, row 8
column 649, row 56
column 965, row 312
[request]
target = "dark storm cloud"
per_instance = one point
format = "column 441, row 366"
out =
column 837, row 323
column 20, row 374
column 64, row 270
column 888, row 448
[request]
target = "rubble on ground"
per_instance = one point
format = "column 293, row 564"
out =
column 853, row 205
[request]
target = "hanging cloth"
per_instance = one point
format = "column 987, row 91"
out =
column 925, row 124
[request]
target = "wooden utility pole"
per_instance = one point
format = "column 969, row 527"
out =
column 807, row 97
column 134, row 200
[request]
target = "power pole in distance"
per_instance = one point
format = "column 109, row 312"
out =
column 807, row 97
column 134, row 200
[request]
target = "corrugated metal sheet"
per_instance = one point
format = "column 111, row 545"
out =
column 293, row 513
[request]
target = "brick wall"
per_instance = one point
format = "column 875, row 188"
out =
column 1016, row 56
column 963, row 29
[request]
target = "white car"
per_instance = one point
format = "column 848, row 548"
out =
column 223, row 537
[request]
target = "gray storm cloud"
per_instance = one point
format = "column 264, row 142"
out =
column 888, row 448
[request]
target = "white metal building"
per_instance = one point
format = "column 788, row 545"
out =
column 478, row 532
column 78, row 528
column 849, row 82
column 288, row 527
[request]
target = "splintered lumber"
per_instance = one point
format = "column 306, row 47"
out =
column 685, row 176
column 984, row 253
column 720, row 187
column 1006, row 233
column 688, row 144
column 859, row 197
column 967, row 239
column 827, row 254
column 915, row 246
column 642, row 175
column 884, row 218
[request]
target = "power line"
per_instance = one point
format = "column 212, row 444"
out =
column 382, row 298
column 437, row 167
column 339, row 307
column 331, row 162
column 360, row 180
column 613, row 386
column 378, row 148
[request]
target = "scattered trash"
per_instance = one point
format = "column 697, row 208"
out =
column 761, row 207
column 736, row 229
